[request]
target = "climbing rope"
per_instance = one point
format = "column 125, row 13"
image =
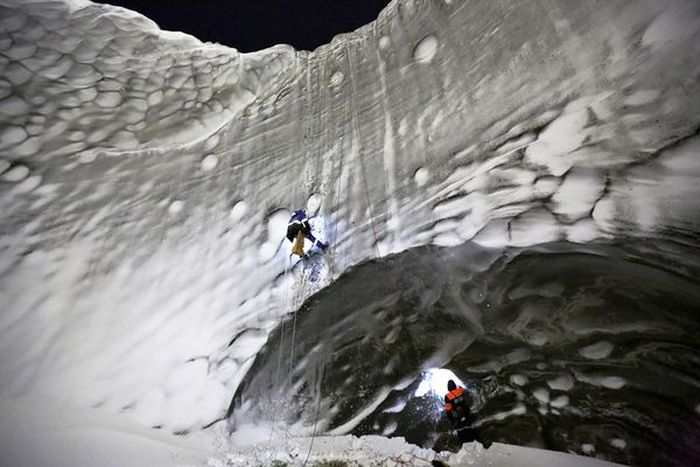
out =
column 358, row 138
column 336, row 204
column 279, row 358
column 338, row 191
column 306, row 157
column 331, row 264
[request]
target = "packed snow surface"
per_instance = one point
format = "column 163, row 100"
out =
column 64, row 436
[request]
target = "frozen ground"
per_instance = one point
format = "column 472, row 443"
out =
column 62, row 436
column 146, row 178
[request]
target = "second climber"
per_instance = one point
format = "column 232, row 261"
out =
column 459, row 414
column 298, row 229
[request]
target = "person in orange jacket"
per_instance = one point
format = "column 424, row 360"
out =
column 459, row 414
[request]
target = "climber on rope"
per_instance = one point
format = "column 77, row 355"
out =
column 298, row 228
column 459, row 414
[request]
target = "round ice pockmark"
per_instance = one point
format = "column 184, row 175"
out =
column 618, row 443
column 87, row 157
column 516, row 356
column 560, row 402
column 597, row 351
column 15, row 174
column 538, row 339
column 546, row 186
column 17, row 74
column 29, row 147
column 612, row 382
column 12, row 135
column 21, row 50
column 87, row 94
column 535, row 226
column 238, row 210
column 561, row 383
column 337, row 78
column 425, row 50
column 14, row 106
column 59, row 69
column 542, row 395
column 15, row 22
column 28, row 184
column 175, row 207
column 519, row 380
column 313, row 204
column 209, row 162
column 384, row 42
column 587, row 448
column 155, row 98
column 583, row 231
column 108, row 84
column 108, row 99
column 422, row 176
column 83, row 76
column 131, row 115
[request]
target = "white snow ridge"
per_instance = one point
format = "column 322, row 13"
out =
column 146, row 178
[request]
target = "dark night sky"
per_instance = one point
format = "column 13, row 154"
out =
column 250, row 25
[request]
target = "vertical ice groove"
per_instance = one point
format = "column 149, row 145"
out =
column 394, row 223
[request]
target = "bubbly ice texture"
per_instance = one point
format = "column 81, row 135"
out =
column 139, row 274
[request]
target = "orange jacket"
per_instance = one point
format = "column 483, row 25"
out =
column 450, row 398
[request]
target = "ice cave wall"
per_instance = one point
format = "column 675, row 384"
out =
column 147, row 177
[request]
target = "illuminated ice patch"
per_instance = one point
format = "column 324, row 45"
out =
column 435, row 381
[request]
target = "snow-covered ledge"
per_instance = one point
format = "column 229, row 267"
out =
column 147, row 177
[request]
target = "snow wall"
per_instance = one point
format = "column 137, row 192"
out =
column 147, row 177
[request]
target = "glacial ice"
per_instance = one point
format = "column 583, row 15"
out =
column 146, row 175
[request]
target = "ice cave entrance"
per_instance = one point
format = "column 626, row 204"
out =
column 435, row 381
